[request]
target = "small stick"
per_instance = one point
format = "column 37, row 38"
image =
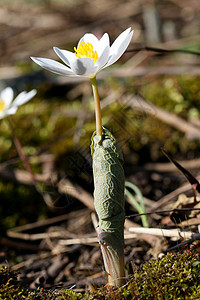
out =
column 161, row 232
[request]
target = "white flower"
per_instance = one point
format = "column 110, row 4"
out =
column 90, row 56
column 8, row 106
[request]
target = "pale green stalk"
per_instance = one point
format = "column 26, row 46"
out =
column 97, row 107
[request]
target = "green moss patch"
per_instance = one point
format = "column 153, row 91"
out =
column 174, row 276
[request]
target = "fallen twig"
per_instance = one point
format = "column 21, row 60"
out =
column 192, row 132
column 162, row 232
column 65, row 186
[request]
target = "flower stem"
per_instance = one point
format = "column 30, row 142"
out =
column 27, row 166
column 97, row 107
column 21, row 153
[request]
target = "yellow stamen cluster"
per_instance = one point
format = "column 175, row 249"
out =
column 86, row 50
column 2, row 105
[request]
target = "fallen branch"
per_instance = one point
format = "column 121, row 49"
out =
column 65, row 186
column 25, row 177
column 191, row 131
column 162, row 232
column 166, row 200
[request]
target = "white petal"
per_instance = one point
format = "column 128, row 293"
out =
column 102, row 60
column 53, row 66
column 102, row 44
column 89, row 38
column 84, row 67
column 24, row 97
column 66, row 56
column 119, row 46
column 2, row 114
column 105, row 40
column 10, row 111
column 7, row 96
column 20, row 96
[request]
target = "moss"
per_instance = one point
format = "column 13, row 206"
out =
column 172, row 277
column 12, row 289
column 175, row 276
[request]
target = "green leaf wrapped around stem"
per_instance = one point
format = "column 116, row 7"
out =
column 109, row 182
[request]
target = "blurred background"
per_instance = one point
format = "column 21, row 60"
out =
column 150, row 99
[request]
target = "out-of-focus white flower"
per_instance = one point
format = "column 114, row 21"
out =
column 90, row 56
column 8, row 106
